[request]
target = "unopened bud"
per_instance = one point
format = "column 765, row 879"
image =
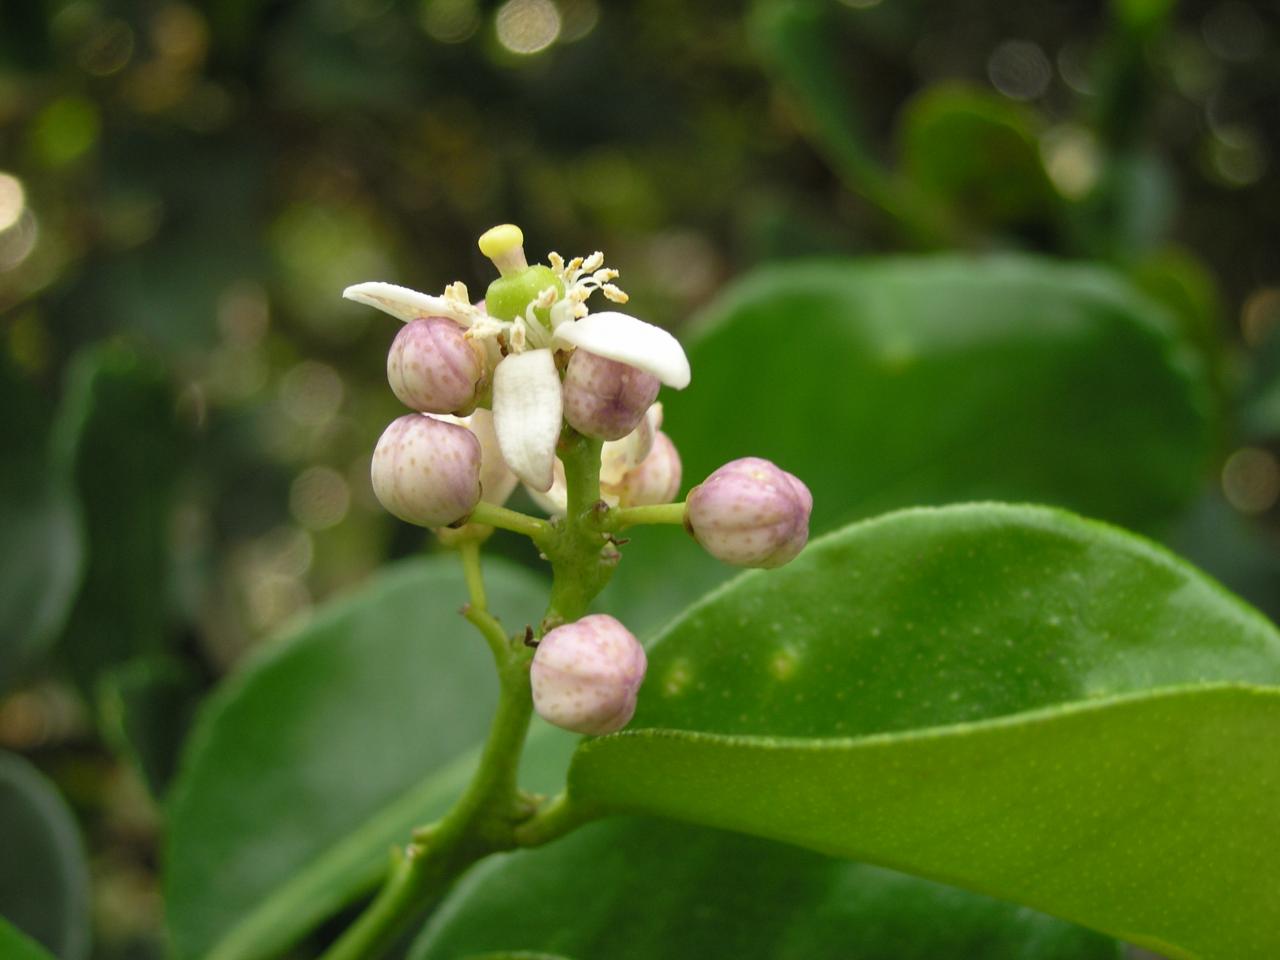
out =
column 606, row 399
column 585, row 675
column 655, row 480
column 426, row 471
column 750, row 513
column 434, row 368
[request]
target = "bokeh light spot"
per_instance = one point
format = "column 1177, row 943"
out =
column 1251, row 480
column 13, row 200
column 107, row 49
column 1260, row 315
column 1237, row 155
column 17, row 243
column 1234, row 31
column 319, row 498
column 1071, row 159
column 1019, row 69
column 65, row 130
column 579, row 18
column 449, row 21
column 244, row 313
column 311, row 393
column 527, row 26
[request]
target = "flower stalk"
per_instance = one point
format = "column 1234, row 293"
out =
column 619, row 518
column 484, row 819
column 532, row 385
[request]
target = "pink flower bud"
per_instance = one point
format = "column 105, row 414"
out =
column 750, row 513
column 434, row 368
column 655, row 480
column 585, row 675
column 603, row 398
column 426, row 471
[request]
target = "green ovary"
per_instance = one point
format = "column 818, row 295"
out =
column 507, row 296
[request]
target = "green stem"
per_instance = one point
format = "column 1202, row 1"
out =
column 513, row 520
column 469, row 551
column 484, row 819
column 555, row 819
column 582, row 558
column 492, row 815
column 620, row 518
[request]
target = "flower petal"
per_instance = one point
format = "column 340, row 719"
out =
column 554, row 500
column 401, row 302
column 620, row 337
column 527, row 415
column 619, row 457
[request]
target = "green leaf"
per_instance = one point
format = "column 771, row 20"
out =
column 44, row 880
column 1184, row 284
column 146, row 709
column 119, row 425
column 40, row 542
column 308, row 765
column 805, row 45
column 977, row 152
column 636, row 889
column 1009, row 699
column 16, row 945
column 911, row 381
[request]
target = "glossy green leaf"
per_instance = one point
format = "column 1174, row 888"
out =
column 1010, row 699
column 903, row 382
column 16, row 945
column 308, row 765
column 636, row 889
column 120, row 426
column 40, row 542
column 977, row 152
column 44, row 880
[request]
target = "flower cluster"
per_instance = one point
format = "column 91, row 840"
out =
column 498, row 387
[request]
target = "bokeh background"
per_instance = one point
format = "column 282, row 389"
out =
column 189, row 407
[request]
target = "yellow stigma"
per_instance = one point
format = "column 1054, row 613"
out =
column 498, row 241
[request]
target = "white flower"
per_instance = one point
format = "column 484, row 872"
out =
column 617, row 459
column 527, row 400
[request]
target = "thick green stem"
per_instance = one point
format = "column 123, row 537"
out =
column 582, row 558
column 484, row 819
column 555, row 819
column 512, row 520
column 492, row 815
column 620, row 518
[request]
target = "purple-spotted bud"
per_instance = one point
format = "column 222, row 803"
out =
column 585, row 675
column 434, row 368
column 603, row 398
column 656, row 480
column 750, row 513
column 426, row 471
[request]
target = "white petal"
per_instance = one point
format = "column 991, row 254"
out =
column 628, row 340
column 619, row 457
column 527, row 414
column 553, row 501
column 401, row 302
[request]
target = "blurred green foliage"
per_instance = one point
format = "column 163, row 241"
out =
column 185, row 189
